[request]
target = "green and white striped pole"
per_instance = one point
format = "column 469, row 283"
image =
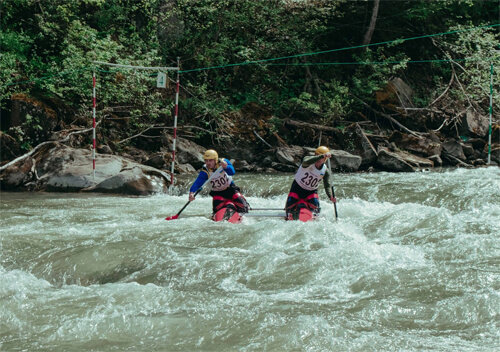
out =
column 491, row 113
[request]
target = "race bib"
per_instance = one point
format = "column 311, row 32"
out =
column 220, row 181
column 310, row 177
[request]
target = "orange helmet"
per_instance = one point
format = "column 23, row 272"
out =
column 322, row 150
column 211, row 154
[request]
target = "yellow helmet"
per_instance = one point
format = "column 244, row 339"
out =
column 322, row 150
column 211, row 154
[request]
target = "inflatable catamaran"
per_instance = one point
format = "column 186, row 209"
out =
column 229, row 214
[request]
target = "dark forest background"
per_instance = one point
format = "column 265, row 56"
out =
column 322, row 62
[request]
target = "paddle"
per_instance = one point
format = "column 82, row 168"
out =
column 333, row 190
column 173, row 217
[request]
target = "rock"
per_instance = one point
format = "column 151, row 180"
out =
column 290, row 155
column 267, row 161
column 344, row 161
column 17, row 175
column 452, row 150
column 136, row 154
column 104, row 149
column 422, row 146
column 157, row 161
column 474, row 123
column 436, row 159
column 395, row 93
column 242, row 165
column 185, row 169
column 188, row 152
column 478, row 162
column 477, row 143
column 468, row 150
column 9, row 148
column 134, row 180
column 284, row 167
column 400, row 161
column 356, row 142
column 495, row 152
column 392, row 161
column 64, row 169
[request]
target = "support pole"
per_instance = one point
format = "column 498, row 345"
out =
column 93, row 124
column 175, row 125
column 491, row 113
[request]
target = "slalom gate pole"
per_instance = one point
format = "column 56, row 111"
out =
column 93, row 123
column 491, row 113
column 175, row 126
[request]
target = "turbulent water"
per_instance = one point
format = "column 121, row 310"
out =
column 411, row 264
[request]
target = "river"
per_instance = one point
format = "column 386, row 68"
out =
column 411, row 264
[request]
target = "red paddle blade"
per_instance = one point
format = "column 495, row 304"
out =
column 173, row 217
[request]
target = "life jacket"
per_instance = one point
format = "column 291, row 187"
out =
column 310, row 177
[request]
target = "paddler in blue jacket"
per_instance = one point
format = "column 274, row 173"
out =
column 221, row 185
column 305, row 185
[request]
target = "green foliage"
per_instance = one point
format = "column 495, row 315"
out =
column 275, row 123
column 229, row 53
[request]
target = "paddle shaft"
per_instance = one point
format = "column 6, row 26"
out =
column 185, row 205
column 333, row 190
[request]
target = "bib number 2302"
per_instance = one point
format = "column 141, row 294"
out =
column 219, row 182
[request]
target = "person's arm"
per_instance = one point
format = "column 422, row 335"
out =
column 309, row 160
column 198, row 183
column 328, row 183
column 228, row 167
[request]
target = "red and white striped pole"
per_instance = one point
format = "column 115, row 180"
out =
column 93, row 123
column 175, row 125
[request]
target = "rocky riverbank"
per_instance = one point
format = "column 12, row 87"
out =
column 253, row 139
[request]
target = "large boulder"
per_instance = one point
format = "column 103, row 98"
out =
column 356, row 142
column 400, row 161
column 188, row 152
column 475, row 124
column 17, row 175
column 453, row 152
column 58, row 168
column 396, row 93
column 422, row 146
column 290, row 155
column 344, row 161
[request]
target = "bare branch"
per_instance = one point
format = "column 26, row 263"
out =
column 447, row 88
column 262, row 139
column 390, row 118
column 136, row 135
column 32, row 151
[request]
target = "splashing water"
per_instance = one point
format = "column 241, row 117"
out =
column 411, row 264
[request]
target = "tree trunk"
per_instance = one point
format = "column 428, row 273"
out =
column 373, row 21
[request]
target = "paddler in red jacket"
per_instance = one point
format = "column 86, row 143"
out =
column 305, row 185
column 221, row 185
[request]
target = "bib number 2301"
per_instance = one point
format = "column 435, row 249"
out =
column 309, row 180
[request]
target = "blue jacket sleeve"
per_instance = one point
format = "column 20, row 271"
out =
column 199, row 182
column 230, row 168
